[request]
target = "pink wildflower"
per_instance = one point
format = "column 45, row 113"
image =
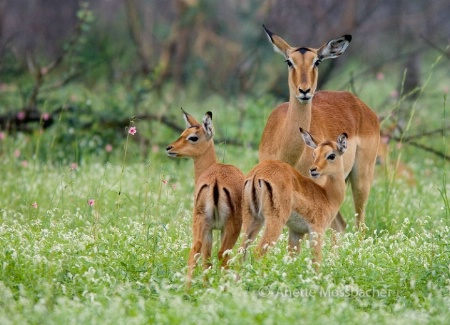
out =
column 164, row 181
column 108, row 147
column 91, row 202
column 45, row 116
column 17, row 153
column 394, row 94
column 73, row 165
column 385, row 139
column 174, row 187
column 24, row 163
column 2, row 136
column 34, row 205
column 380, row 76
column 132, row 130
column 21, row 115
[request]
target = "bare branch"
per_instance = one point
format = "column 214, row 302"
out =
column 433, row 45
column 135, row 29
column 429, row 149
column 440, row 131
column 41, row 72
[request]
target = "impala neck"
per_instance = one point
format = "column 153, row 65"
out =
column 298, row 115
column 334, row 187
column 204, row 161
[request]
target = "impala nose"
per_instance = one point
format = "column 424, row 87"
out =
column 304, row 92
column 313, row 172
column 170, row 153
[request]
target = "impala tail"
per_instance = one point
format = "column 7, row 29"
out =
column 259, row 191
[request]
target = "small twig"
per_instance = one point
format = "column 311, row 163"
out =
column 440, row 131
column 429, row 149
column 410, row 140
column 63, row 82
column 439, row 49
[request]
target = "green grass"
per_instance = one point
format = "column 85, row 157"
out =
column 123, row 260
column 68, row 262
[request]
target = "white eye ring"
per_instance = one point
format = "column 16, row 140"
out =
column 192, row 138
column 289, row 62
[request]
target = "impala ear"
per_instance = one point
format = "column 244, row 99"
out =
column 278, row 43
column 208, row 124
column 190, row 121
column 334, row 48
column 308, row 139
column 342, row 142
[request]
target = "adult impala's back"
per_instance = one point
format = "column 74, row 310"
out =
column 326, row 114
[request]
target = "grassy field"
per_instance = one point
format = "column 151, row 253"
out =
column 96, row 234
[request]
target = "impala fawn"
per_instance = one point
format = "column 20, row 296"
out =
column 276, row 194
column 218, row 192
column 326, row 114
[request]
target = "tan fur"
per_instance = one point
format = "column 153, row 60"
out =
column 325, row 114
column 218, row 193
column 276, row 194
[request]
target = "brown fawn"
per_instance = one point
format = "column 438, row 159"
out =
column 218, row 192
column 276, row 194
column 326, row 114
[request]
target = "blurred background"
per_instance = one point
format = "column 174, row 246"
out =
column 117, row 59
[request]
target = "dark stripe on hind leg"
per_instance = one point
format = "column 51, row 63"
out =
column 229, row 200
column 270, row 190
column 205, row 186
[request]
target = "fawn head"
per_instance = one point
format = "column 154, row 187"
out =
column 195, row 139
column 327, row 155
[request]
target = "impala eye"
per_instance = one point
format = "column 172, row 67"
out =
column 331, row 157
column 192, row 138
column 289, row 63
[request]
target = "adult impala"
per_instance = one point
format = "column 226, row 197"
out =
column 326, row 114
column 218, row 192
column 276, row 194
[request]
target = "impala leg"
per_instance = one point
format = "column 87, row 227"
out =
column 207, row 247
column 229, row 237
column 271, row 234
column 339, row 223
column 250, row 227
column 316, row 243
column 193, row 254
column 294, row 240
column 196, row 247
column 361, row 179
